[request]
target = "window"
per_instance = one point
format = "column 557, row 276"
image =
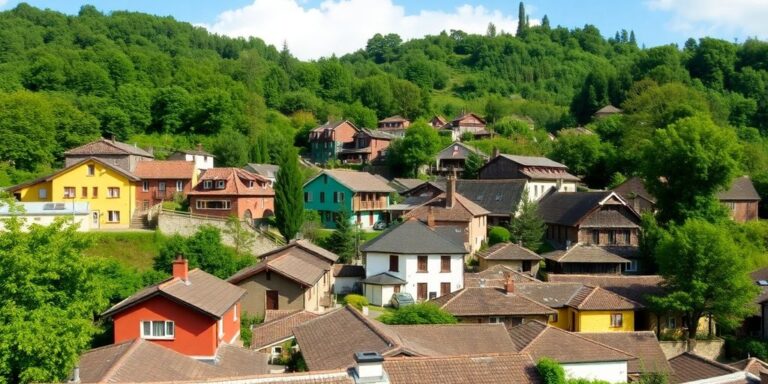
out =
column 213, row 204
column 207, row 184
column 69, row 192
column 495, row 320
column 432, row 295
column 220, row 184
column 445, row 264
column 595, row 236
column 42, row 193
column 113, row 192
column 113, row 216
column 161, row 186
column 445, row 288
column 394, row 263
column 335, row 197
column 612, row 237
column 397, row 289
column 617, row 320
column 421, row 291
column 84, row 191
column 632, row 266
column 145, row 186
column 421, row 265
column 157, row 329
column 234, row 313
column 91, row 170
column 220, row 326
column 179, row 185
column 322, row 197
column 307, row 197
column 625, row 236
column 553, row 318
column 671, row 322
column 95, row 193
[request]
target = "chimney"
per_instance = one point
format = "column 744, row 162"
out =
column 450, row 191
column 567, row 245
column 199, row 147
column 496, row 152
column 430, row 218
column 112, row 137
column 181, row 268
column 75, row 375
column 509, row 285
column 369, row 368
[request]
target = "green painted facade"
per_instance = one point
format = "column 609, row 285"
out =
column 322, row 151
column 328, row 197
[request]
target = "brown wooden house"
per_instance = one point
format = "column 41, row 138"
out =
column 542, row 173
column 468, row 122
column 453, row 158
column 394, row 125
column 163, row 181
column 368, row 146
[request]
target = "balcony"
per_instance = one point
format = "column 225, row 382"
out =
column 368, row 205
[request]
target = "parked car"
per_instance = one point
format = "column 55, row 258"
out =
column 380, row 225
column 401, row 299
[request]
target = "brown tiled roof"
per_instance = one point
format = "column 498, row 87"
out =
column 752, row 365
column 635, row 288
column 480, row 369
column 338, row 376
column 278, row 330
column 130, row 176
column 582, row 253
column 204, row 292
column 348, row 270
column 691, row 367
column 357, row 181
column 165, row 169
column 300, row 261
column 107, row 147
column 141, row 361
column 458, row 119
column 458, row 150
column 599, row 299
column 634, row 187
column 508, row 251
column 608, row 109
column 452, row 339
column 496, row 275
column 490, row 302
column 239, row 361
column 553, row 295
column 741, row 189
column 463, row 210
column 393, row 119
column 274, row 314
column 643, row 345
column 235, row 185
column 563, row 346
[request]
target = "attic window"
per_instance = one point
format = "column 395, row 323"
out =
column 220, row 184
column 207, row 184
column 250, row 183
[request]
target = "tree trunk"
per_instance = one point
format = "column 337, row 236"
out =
column 693, row 324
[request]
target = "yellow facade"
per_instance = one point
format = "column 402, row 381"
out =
column 106, row 211
column 600, row 321
column 562, row 319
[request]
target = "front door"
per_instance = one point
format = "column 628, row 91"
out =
column 421, row 291
column 95, row 219
column 272, row 302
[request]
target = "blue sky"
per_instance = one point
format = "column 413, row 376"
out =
column 344, row 25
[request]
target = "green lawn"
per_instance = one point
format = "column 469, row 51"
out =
column 132, row 248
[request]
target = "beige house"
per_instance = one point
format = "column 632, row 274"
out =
column 294, row 277
column 511, row 255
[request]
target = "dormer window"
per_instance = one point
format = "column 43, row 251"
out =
column 220, row 184
column 250, row 183
column 207, row 184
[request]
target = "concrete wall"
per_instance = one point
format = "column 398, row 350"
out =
column 290, row 293
column 612, row 372
column 170, row 223
column 710, row 349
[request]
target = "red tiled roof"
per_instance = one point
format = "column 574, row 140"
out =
column 278, row 330
column 516, row 368
column 236, row 183
column 165, row 169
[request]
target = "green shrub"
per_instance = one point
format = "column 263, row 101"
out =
column 550, row 371
column 740, row 348
column 246, row 323
column 357, row 301
column 498, row 235
column 422, row 313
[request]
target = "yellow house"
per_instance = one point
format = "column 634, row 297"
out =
column 109, row 190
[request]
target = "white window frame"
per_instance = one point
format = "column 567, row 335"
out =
column 632, row 266
column 70, row 195
column 111, row 215
column 207, row 184
column 165, row 336
column 221, row 184
column 234, row 313
column 619, row 316
column 161, row 186
column 220, row 326
column 179, row 185
column 145, row 186
column 202, row 205
column 111, row 192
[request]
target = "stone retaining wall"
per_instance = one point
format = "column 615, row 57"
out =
column 711, row 349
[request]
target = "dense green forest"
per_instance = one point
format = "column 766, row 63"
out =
column 166, row 84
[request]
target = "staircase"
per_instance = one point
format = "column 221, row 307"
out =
column 139, row 221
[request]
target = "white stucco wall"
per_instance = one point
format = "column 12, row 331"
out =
column 342, row 285
column 82, row 222
column 537, row 188
column 612, row 372
column 379, row 263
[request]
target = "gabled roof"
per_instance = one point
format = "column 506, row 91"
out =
column 634, row 187
column 348, row 270
column 534, row 161
column 541, row 340
column 375, row 133
column 300, row 261
column 393, row 119
column 458, row 119
column 570, row 208
column 463, row 209
column 583, row 253
column 128, row 175
column 752, row 365
column 331, row 125
column 265, row 170
column 598, row 299
column 688, row 367
column 490, row 302
column 508, row 251
column 608, row 109
column 235, row 185
column 537, row 168
column 165, row 169
column 642, row 344
column 496, row 276
column 383, row 278
column 275, row 331
column 516, row 368
column 107, row 147
column 356, row 181
column 635, row 288
column 458, row 150
column 500, row 197
column 202, row 292
column 413, row 237
column 741, row 189
column 401, row 185
column 142, row 361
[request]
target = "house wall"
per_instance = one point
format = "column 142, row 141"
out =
column 102, row 179
column 600, row 321
column 290, row 293
column 379, row 294
column 478, row 231
column 154, row 196
column 585, row 236
column 81, row 221
column 742, row 211
column 344, row 285
column 32, row 193
column 260, row 206
column 408, row 264
column 327, row 185
column 318, row 298
column 378, row 148
column 231, row 325
column 610, row 371
column 195, row 333
column 501, row 168
column 538, row 188
column 561, row 233
column 563, row 319
column 324, row 149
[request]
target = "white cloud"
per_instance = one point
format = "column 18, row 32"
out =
column 343, row 26
column 3, row 3
column 708, row 17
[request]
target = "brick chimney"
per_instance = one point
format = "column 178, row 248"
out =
column 430, row 218
column 181, row 268
column 509, row 285
column 450, row 191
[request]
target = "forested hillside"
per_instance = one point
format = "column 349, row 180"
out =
column 166, row 84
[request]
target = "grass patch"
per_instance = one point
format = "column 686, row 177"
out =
column 135, row 249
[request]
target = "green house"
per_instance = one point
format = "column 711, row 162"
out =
column 364, row 195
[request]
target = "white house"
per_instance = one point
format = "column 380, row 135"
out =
column 203, row 160
column 44, row 213
column 415, row 258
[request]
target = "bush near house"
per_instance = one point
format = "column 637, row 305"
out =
column 246, row 327
column 421, row 313
column 357, row 301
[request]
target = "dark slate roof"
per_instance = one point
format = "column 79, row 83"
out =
column 413, row 237
column 357, row 181
column 634, row 187
column 741, row 189
column 383, row 278
column 375, row 133
column 107, row 147
column 348, row 270
column 534, row 161
column 402, row 185
column 458, row 150
column 499, row 197
column 581, row 253
column 508, row 251
column 203, row 292
column 569, row 208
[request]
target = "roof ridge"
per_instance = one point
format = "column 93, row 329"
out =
column 710, row 361
column 539, row 335
column 374, row 328
column 576, row 292
column 118, row 364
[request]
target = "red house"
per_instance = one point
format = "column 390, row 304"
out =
column 232, row 191
column 163, row 181
column 192, row 313
column 369, row 146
